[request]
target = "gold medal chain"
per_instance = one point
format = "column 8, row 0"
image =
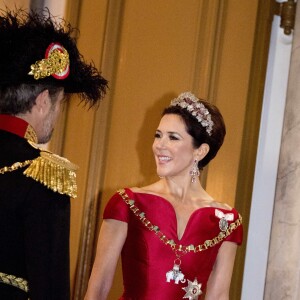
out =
column 178, row 248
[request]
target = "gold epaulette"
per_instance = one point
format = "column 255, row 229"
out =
column 55, row 172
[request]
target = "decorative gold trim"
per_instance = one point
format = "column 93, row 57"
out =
column 178, row 248
column 55, row 172
column 15, row 166
column 17, row 282
column 30, row 134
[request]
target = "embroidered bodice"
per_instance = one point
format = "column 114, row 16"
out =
column 146, row 259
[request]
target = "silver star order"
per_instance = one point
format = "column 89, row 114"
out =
column 193, row 290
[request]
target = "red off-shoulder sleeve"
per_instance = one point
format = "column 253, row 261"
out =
column 237, row 235
column 116, row 209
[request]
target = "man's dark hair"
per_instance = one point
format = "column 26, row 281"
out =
column 21, row 98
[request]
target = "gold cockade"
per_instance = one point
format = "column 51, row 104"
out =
column 56, row 63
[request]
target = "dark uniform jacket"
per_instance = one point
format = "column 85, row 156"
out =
column 34, row 228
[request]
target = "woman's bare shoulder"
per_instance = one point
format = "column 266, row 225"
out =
column 222, row 205
column 148, row 189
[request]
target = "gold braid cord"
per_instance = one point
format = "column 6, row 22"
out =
column 14, row 281
column 55, row 172
column 175, row 247
column 15, row 166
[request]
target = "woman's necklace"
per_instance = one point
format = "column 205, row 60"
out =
column 193, row 289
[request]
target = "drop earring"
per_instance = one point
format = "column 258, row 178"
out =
column 195, row 171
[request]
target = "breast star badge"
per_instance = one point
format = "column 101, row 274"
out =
column 193, row 290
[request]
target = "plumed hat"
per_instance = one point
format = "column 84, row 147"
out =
column 35, row 49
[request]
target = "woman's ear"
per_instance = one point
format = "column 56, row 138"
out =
column 202, row 151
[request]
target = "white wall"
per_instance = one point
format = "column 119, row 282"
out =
column 266, row 164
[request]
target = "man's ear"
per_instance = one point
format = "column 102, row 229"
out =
column 42, row 101
column 202, row 151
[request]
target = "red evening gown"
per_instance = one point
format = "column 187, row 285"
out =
column 146, row 259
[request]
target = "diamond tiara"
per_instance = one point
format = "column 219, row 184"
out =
column 197, row 109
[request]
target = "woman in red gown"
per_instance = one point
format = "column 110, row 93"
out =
column 175, row 240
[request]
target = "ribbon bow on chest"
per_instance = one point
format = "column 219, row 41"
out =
column 224, row 218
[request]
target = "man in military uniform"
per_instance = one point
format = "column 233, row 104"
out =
column 39, row 64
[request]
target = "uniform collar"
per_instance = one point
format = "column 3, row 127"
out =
column 18, row 126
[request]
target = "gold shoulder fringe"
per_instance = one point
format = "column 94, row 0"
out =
column 55, row 172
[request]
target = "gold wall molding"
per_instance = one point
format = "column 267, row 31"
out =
column 212, row 16
column 96, row 159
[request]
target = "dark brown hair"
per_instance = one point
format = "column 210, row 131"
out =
column 198, row 132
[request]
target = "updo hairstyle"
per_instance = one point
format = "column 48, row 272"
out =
column 199, row 133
